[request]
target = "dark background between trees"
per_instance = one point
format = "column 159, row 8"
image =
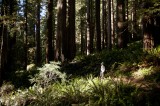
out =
column 39, row 31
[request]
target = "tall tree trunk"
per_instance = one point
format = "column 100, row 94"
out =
column 26, row 35
column 113, row 23
column 61, row 24
column 65, row 39
column 98, row 27
column 121, row 22
column 49, row 39
column 71, row 29
column 38, row 41
column 109, row 26
column 103, row 23
column 148, row 39
column 134, row 20
column 3, row 54
column 90, row 28
column 12, row 36
column 82, row 25
column 4, row 40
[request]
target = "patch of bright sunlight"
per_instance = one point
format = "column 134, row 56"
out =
column 155, row 51
column 142, row 72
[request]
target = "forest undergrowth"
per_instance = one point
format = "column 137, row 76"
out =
column 132, row 78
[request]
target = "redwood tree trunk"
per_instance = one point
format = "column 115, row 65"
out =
column 65, row 42
column 49, row 39
column 60, row 18
column 98, row 27
column 121, row 23
column 38, row 41
column 4, row 41
column 90, row 27
column 109, row 26
column 71, row 29
column 104, row 31
column 26, row 35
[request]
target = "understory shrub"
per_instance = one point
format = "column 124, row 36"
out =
column 48, row 74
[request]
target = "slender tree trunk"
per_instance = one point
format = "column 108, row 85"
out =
column 3, row 54
column 88, row 27
column 134, row 27
column 26, row 35
column 103, row 23
column 109, row 26
column 49, row 39
column 113, row 23
column 65, row 35
column 38, row 41
column 98, row 27
column 82, row 36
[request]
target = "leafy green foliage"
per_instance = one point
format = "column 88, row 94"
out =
column 48, row 74
column 131, row 78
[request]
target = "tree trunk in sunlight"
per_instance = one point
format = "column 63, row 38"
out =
column 121, row 23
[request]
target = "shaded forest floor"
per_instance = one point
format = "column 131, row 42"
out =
column 132, row 77
column 130, row 65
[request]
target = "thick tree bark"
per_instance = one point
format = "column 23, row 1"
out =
column 98, row 27
column 90, row 27
column 12, row 36
column 49, row 38
column 4, row 41
column 121, row 23
column 61, row 35
column 71, row 29
column 148, row 40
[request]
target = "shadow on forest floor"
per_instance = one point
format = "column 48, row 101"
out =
column 131, row 64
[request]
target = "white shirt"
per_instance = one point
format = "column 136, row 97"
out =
column 102, row 68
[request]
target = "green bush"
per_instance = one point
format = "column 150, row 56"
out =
column 48, row 74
